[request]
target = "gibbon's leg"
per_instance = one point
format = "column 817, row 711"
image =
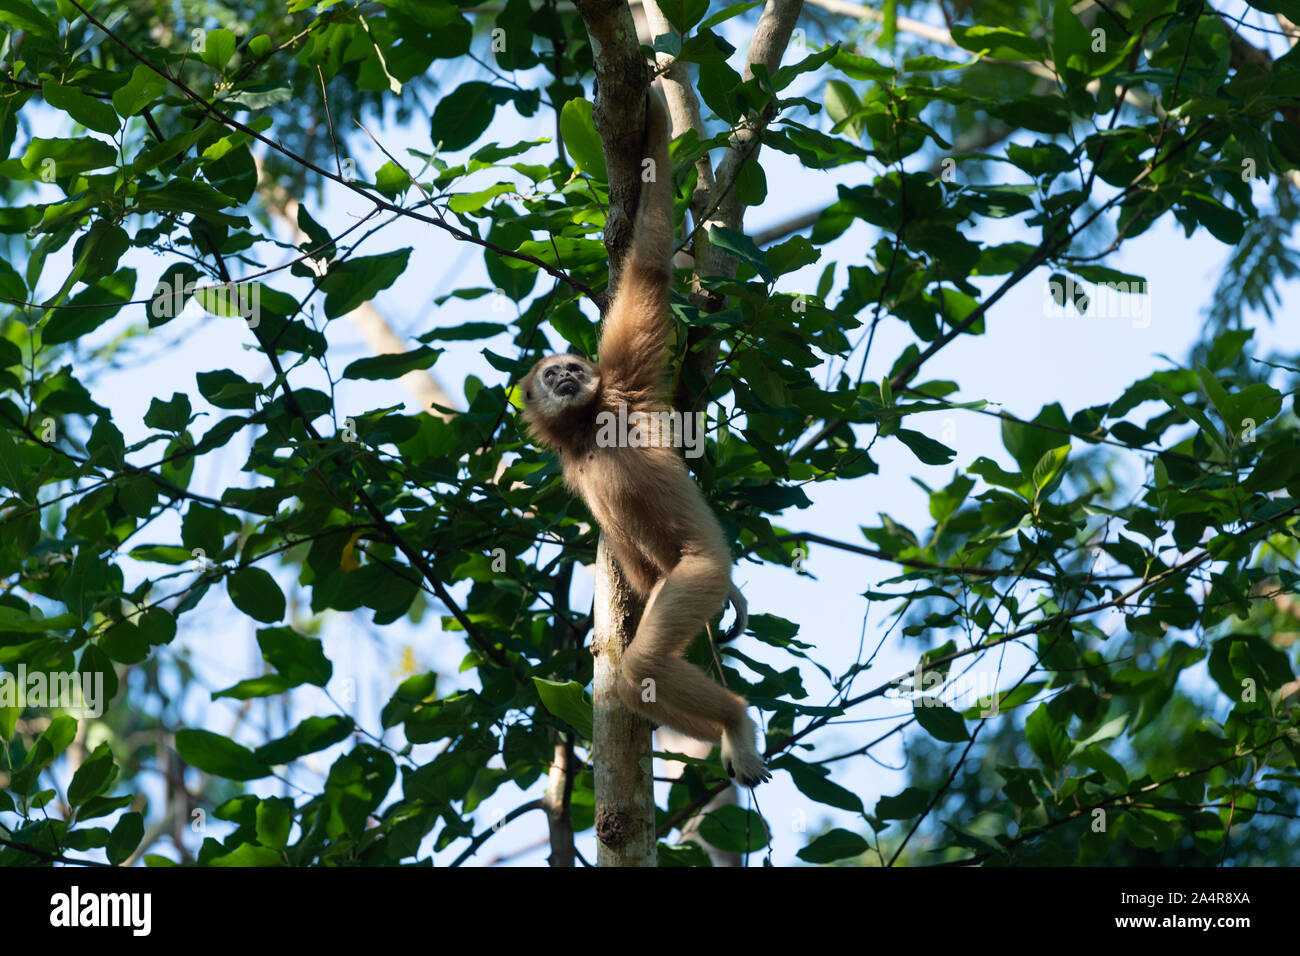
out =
column 681, row 695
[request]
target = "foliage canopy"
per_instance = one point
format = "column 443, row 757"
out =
column 143, row 161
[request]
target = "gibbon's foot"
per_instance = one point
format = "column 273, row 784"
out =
column 741, row 759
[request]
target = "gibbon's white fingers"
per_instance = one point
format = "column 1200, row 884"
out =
column 655, row 519
column 741, row 607
column 740, row 757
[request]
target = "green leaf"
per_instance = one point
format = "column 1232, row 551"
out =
column 97, row 667
column 351, row 283
column 581, row 139
column 172, row 293
column 1050, row 470
column 1239, row 658
column 1107, row 731
column 1028, row 444
column 903, row 806
column 742, row 247
column 1225, row 349
column 52, row 742
column 22, row 15
column 862, row 67
column 473, row 202
column 394, row 365
column 841, row 103
column 206, row 528
column 80, row 317
column 15, row 479
column 61, row 732
column 684, row 14
column 97, row 807
column 733, row 829
column 255, row 593
column 92, row 777
column 219, row 755
column 274, row 821
column 67, row 157
column 1192, row 414
column 265, row 685
column 728, row 13
column 751, row 184
column 169, row 416
column 141, row 90
column 1223, row 223
column 300, row 659
column 313, row 734
column 567, row 701
column 1070, row 39
column 218, row 48
column 835, row 845
column 86, row 838
column 9, row 714
column 224, row 389
column 813, row 61
column 990, row 706
column 814, row 783
column 248, row 854
column 190, row 196
column 464, row 115
column 795, row 253
column 998, row 42
column 1047, row 738
column 940, row 721
column 86, row 110
column 125, row 838
column 925, row 448
column 124, row 643
column 138, row 496
column 464, row 331
column 410, row 694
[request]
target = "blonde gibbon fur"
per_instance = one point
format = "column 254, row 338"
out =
column 654, row 517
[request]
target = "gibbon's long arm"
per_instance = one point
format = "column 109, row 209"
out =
column 633, row 343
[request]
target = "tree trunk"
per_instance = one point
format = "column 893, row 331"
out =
column 625, row 806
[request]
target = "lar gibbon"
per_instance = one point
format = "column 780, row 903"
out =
column 654, row 517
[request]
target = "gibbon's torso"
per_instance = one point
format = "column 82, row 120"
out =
column 622, row 484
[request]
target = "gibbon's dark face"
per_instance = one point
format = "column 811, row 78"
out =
column 558, row 384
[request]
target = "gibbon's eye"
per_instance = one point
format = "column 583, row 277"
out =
column 550, row 373
column 575, row 367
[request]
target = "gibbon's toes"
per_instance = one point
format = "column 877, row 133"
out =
column 742, row 760
column 749, row 776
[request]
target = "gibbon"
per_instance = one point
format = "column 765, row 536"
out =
column 654, row 517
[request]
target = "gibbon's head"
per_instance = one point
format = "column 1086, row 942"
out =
column 558, row 387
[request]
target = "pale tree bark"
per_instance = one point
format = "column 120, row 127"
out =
column 771, row 37
column 625, row 801
column 716, row 201
column 559, row 787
